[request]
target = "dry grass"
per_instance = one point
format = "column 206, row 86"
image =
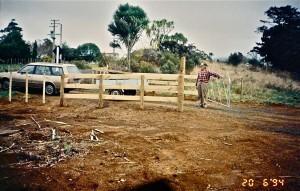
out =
column 259, row 85
column 257, row 77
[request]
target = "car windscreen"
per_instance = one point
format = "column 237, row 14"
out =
column 73, row 70
column 27, row 69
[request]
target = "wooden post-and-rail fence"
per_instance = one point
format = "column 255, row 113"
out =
column 176, row 82
column 178, row 85
column 26, row 88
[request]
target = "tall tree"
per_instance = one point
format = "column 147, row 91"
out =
column 68, row 53
column 177, row 44
column 34, row 50
column 12, row 44
column 114, row 44
column 158, row 30
column 280, row 41
column 128, row 24
column 88, row 52
column 45, row 48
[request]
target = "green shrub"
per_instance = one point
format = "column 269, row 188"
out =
column 135, row 67
column 146, row 67
column 236, row 58
column 151, row 55
column 46, row 59
column 81, row 64
column 169, row 63
column 169, row 68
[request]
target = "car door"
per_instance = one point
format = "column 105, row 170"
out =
column 19, row 77
column 37, row 79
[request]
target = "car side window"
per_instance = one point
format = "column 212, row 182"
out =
column 41, row 70
column 56, row 71
column 27, row 69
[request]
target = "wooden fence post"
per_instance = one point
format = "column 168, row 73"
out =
column 26, row 87
column 44, row 89
column 62, row 89
column 100, row 91
column 94, row 79
column 241, row 96
column 181, row 84
column 10, row 87
column 142, row 91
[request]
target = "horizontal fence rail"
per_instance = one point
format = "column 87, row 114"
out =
column 139, row 81
column 171, row 84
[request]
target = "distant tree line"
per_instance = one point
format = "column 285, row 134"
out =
column 13, row 46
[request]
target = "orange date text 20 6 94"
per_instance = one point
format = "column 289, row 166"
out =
column 265, row 182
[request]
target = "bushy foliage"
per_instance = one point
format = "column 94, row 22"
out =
column 169, row 63
column 176, row 44
column 87, row 51
column 236, row 58
column 45, row 48
column 146, row 67
column 169, row 68
column 12, row 44
column 151, row 55
column 81, row 64
column 158, row 30
column 46, row 59
column 281, row 38
column 254, row 62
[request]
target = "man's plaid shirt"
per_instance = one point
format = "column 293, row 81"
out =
column 204, row 76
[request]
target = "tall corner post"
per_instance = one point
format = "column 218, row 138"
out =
column 26, row 87
column 100, row 103
column 10, row 87
column 181, row 84
column 142, row 91
column 62, row 90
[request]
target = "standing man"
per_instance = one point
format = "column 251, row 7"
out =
column 202, row 83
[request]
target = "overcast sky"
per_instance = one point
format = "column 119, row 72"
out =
column 218, row 26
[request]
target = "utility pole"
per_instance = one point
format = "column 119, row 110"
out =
column 54, row 23
column 60, row 35
column 60, row 44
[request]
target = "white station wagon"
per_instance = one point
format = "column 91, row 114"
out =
column 36, row 72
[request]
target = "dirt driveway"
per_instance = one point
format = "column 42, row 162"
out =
column 250, row 147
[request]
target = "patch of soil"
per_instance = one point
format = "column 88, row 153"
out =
column 156, row 148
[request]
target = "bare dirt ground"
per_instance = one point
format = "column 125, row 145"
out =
column 153, row 149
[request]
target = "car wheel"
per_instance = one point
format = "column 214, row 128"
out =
column 5, row 84
column 50, row 89
column 115, row 92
